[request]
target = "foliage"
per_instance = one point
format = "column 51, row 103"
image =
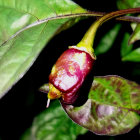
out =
column 29, row 43
column 51, row 126
column 113, row 104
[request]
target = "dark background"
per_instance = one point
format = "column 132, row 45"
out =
column 23, row 102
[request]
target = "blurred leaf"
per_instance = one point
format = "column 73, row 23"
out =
column 112, row 106
column 136, row 35
column 53, row 124
column 107, row 40
column 19, row 53
column 133, row 56
column 27, row 135
column 125, row 4
column 136, row 70
column 44, row 88
column 125, row 47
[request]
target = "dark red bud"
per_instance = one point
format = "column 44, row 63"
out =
column 68, row 74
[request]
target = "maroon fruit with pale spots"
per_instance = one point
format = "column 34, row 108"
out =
column 68, row 74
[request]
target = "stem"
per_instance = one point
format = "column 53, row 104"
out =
column 88, row 38
column 123, row 18
column 88, row 14
column 129, row 18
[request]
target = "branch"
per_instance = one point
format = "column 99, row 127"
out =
column 122, row 18
column 88, row 14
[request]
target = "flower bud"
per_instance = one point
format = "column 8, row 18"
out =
column 68, row 74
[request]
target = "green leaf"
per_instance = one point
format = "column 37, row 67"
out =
column 27, row 135
column 125, row 47
column 125, row 4
column 112, row 106
column 53, row 124
column 21, row 50
column 135, row 35
column 134, row 56
column 107, row 40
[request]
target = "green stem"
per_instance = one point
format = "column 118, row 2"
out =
column 89, row 37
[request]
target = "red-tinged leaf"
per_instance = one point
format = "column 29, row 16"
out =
column 112, row 107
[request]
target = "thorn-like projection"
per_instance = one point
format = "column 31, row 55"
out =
column 48, row 103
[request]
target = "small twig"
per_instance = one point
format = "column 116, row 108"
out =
column 122, row 18
column 129, row 18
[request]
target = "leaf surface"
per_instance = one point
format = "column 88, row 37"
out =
column 135, row 35
column 125, row 4
column 107, row 40
column 125, row 47
column 112, row 107
column 133, row 56
column 19, row 53
column 53, row 124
